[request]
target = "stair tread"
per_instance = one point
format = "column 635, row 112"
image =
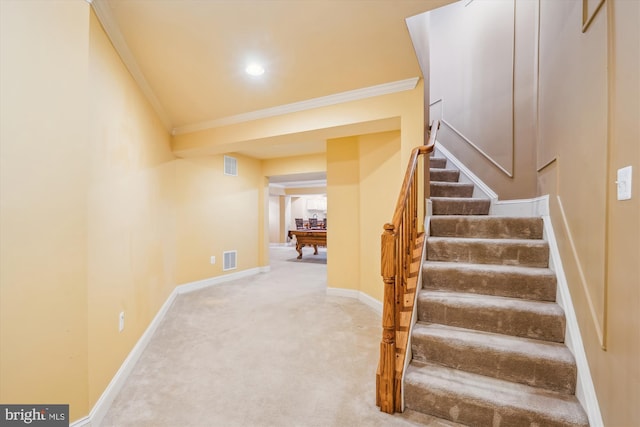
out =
column 492, row 268
column 535, row 319
column 498, row 342
column 533, row 362
column 526, row 252
column 463, row 199
column 504, row 396
column 487, row 218
column 493, row 240
column 452, row 183
column 447, row 169
column 534, row 283
column 481, row 301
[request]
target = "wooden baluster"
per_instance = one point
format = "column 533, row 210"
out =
column 386, row 386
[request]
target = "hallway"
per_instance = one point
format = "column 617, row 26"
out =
column 268, row 350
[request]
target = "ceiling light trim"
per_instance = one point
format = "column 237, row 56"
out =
column 105, row 16
column 324, row 101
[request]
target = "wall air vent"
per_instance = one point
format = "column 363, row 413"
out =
column 230, row 166
column 229, row 260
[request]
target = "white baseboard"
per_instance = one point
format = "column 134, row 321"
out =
column 480, row 189
column 360, row 296
column 103, row 404
column 205, row 283
column 82, row 422
column 585, row 390
column 537, row 206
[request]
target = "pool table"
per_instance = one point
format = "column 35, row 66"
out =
column 309, row 237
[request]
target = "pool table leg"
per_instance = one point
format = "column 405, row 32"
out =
column 299, row 249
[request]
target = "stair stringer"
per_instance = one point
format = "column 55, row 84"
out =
column 480, row 189
column 585, row 390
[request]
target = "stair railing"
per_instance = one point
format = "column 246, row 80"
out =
column 401, row 252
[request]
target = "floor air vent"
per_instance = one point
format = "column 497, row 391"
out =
column 230, row 166
column 229, row 260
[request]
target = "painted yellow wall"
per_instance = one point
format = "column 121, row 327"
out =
column 131, row 213
column 97, row 216
column 402, row 110
column 361, row 198
column 305, row 191
column 217, row 213
column 379, row 160
column 274, row 219
column 343, row 213
column 278, row 224
column 295, row 165
column 44, row 93
column 115, row 221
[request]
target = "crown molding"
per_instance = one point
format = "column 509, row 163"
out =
column 105, row 16
column 111, row 27
column 324, row 101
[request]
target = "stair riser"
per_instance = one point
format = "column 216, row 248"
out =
column 539, row 287
column 467, row 206
column 451, row 406
column 533, row 254
column 487, row 227
column 557, row 375
column 444, row 175
column 438, row 162
column 543, row 326
column 451, row 189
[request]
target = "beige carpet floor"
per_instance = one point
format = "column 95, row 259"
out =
column 268, row 350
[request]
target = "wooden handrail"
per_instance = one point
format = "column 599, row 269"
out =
column 401, row 250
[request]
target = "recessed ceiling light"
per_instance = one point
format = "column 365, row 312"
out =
column 255, row 69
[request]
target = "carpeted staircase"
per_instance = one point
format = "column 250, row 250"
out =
column 488, row 346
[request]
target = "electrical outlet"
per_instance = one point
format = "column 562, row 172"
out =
column 213, row 260
column 624, row 183
column 121, row 321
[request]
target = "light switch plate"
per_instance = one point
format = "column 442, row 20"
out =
column 624, row 183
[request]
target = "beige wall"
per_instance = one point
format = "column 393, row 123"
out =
column 576, row 121
column 482, row 82
column 589, row 126
column 44, row 92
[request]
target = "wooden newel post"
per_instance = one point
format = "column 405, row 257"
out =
column 386, row 384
